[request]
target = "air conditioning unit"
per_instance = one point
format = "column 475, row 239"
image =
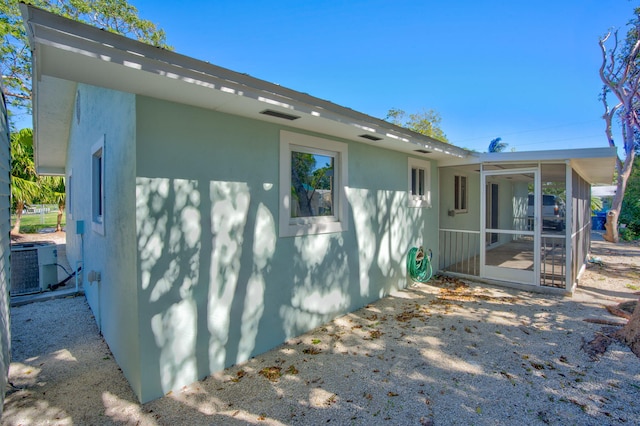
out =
column 33, row 267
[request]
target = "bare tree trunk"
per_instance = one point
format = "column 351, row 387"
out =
column 611, row 227
column 619, row 73
column 16, row 226
column 621, row 78
column 624, row 169
column 304, row 202
column 59, row 219
column 630, row 333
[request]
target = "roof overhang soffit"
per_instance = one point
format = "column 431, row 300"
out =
column 73, row 51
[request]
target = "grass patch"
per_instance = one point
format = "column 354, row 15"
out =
column 33, row 222
column 632, row 287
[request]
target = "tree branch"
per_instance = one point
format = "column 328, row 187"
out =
column 9, row 93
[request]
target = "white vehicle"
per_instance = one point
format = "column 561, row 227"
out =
column 553, row 210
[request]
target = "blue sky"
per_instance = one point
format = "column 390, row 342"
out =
column 521, row 70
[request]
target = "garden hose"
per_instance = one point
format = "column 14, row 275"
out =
column 419, row 265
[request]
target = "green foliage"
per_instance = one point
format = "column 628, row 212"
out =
column 628, row 234
column 424, row 122
column 630, row 212
column 305, row 171
column 116, row 16
column 53, row 190
column 25, row 186
column 322, row 177
column 306, row 179
column 32, row 223
column 302, row 164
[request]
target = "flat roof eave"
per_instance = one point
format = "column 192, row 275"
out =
column 66, row 51
column 595, row 165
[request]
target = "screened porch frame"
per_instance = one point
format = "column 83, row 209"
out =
column 558, row 259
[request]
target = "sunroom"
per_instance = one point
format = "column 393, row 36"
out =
column 520, row 219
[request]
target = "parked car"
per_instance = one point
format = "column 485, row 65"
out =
column 553, row 211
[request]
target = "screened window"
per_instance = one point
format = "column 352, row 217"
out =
column 460, row 194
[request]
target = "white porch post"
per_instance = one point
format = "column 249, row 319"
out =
column 483, row 219
column 538, row 224
column 569, row 225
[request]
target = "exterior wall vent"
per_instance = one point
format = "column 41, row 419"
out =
column 370, row 137
column 279, row 114
column 33, row 267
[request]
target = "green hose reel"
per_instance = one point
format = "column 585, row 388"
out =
column 419, row 265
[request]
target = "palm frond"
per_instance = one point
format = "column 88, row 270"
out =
column 497, row 145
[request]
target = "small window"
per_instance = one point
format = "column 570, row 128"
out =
column 97, row 187
column 419, row 183
column 313, row 177
column 460, row 194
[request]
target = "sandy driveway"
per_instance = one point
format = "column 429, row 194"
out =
column 437, row 354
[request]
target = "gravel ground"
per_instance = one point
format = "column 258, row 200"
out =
column 443, row 353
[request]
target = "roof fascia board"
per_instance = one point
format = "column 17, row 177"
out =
column 531, row 156
column 548, row 155
column 52, row 30
column 51, row 171
column 471, row 158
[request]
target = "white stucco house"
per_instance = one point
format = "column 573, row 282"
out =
column 190, row 202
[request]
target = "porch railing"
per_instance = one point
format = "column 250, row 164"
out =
column 553, row 261
column 459, row 251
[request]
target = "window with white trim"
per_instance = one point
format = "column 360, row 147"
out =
column 313, row 178
column 460, row 194
column 97, row 187
column 419, row 183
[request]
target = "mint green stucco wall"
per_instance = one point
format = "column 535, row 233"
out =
column 470, row 220
column 507, row 205
column 110, row 115
column 216, row 284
